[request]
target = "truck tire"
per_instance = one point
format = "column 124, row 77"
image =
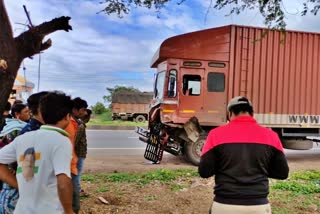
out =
column 140, row 119
column 193, row 150
column 297, row 144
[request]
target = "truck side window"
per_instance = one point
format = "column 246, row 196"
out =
column 191, row 85
column 216, row 82
column 172, row 84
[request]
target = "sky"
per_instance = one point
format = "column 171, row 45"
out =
column 104, row 51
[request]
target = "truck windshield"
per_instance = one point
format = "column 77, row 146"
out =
column 160, row 85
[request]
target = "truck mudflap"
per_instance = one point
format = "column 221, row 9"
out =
column 154, row 149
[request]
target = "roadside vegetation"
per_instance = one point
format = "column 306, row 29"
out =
column 165, row 189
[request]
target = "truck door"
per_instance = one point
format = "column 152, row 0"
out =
column 215, row 95
column 191, row 93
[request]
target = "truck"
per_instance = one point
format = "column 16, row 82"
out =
column 199, row 72
column 131, row 105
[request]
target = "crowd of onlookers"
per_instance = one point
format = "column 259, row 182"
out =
column 43, row 147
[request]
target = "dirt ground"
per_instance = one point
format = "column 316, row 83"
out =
column 157, row 197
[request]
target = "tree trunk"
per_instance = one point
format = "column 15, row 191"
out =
column 14, row 50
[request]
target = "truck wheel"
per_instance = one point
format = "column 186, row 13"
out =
column 140, row 118
column 193, row 150
column 297, row 144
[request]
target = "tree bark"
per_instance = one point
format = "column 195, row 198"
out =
column 14, row 50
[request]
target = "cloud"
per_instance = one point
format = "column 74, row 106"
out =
column 104, row 51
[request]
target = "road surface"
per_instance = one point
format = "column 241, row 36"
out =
column 121, row 150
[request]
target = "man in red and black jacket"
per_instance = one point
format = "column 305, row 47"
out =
column 242, row 155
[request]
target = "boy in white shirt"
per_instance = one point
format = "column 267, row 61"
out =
column 43, row 156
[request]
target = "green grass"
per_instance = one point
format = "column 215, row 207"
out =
column 105, row 119
column 306, row 182
column 300, row 192
column 150, row 198
column 161, row 175
column 102, row 189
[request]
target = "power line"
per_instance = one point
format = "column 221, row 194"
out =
column 39, row 70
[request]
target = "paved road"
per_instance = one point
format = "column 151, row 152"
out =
column 122, row 141
column 121, row 150
column 114, row 142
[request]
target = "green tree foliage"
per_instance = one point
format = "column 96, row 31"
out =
column 117, row 88
column 271, row 10
column 99, row 108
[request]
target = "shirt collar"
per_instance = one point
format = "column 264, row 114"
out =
column 247, row 119
column 53, row 128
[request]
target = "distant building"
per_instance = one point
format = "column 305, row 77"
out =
column 21, row 90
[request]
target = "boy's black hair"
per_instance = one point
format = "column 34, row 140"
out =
column 55, row 106
column 89, row 112
column 8, row 106
column 17, row 108
column 34, row 100
column 86, row 118
column 79, row 103
column 241, row 108
column 17, row 102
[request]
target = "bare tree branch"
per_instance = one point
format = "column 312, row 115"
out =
column 30, row 42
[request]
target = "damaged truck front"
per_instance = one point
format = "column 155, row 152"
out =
column 198, row 72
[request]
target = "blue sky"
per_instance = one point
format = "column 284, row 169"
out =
column 104, row 51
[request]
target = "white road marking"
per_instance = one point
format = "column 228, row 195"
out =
column 134, row 137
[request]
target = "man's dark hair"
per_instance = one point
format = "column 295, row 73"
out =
column 7, row 107
column 241, row 108
column 34, row 100
column 86, row 117
column 55, row 106
column 79, row 103
column 17, row 108
column 17, row 102
column 30, row 151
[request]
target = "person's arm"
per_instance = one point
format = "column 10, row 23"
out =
column 7, row 176
column 8, row 155
column 65, row 192
column 278, row 168
column 207, row 166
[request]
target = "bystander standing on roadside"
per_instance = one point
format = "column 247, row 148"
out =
column 36, row 120
column 21, row 114
column 78, row 111
column 242, row 155
column 6, row 114
column 43, row 174
column 81, row 147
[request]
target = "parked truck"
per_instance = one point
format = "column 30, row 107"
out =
column 198, row 72
column 131, row 105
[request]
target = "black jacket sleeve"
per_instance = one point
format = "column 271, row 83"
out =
column 207, row 167
column 278, row 168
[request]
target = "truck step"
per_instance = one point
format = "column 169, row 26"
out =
column 154, row 151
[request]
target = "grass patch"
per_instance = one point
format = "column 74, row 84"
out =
column 311, row 175
column 300, row 192
column 296, row 187
column 306, row 182
column 102, row 189
column 161, row 175
column 150, row 198
column 279, row 210
column 88, row 177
